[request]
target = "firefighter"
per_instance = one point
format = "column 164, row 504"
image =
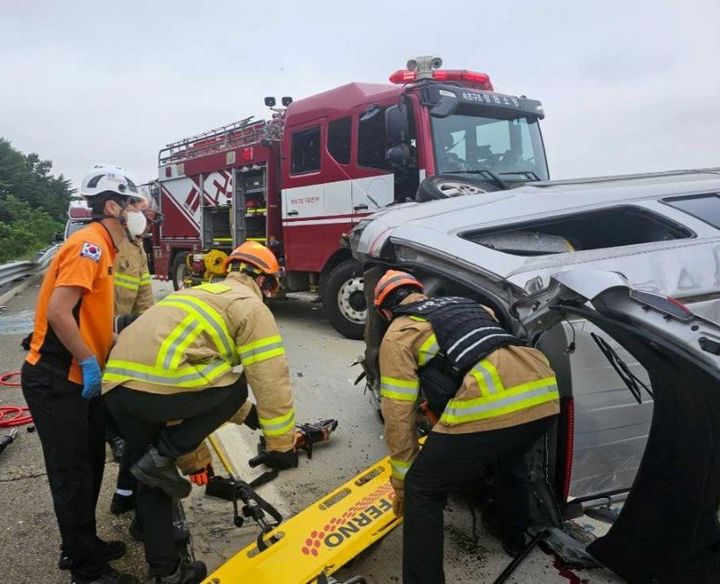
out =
column 175, row 363
column 61, row 377
column 490, row 397
column 133, row 296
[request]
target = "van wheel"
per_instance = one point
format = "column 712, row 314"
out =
column 179, row 270
column 445, row 186
column 344, row 299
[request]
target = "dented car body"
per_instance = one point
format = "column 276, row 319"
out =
column 660, row 231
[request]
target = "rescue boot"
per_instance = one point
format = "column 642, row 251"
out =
column 512, row 544
column 109, row 551
column 121, row 504
column 181, row 534
column 192, row 573
column 156, row 470
column 117, row 445
column 109, row 576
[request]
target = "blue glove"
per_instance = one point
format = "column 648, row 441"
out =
column 92, row 377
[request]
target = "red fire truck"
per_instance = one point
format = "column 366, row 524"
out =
column 299, row 181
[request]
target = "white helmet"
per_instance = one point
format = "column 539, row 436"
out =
column 111, row 178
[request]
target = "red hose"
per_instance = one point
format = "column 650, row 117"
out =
column 5, row 376
column 19, row 419
column 13, row 415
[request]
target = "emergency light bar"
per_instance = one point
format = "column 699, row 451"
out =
column 79, row 212
column 481, row 80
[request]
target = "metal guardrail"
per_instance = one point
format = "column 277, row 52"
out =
column 17, row 270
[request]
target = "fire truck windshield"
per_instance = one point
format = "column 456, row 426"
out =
column 511, row 149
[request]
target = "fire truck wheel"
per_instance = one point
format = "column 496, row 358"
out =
column 344, row 299
column 448, row 185
column 179, row 270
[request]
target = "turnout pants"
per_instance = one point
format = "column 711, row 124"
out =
column 142, row 418
column 72, row 434
column 446, row 463
column 125, row 480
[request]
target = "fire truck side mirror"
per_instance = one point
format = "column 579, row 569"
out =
column 397, row 125
column 286, row 101
column 270, row 101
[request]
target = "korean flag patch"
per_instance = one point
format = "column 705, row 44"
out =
column 92, row 251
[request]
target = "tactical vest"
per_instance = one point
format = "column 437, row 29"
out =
column 466, row 333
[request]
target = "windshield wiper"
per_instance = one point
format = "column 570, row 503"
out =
column 529, row 173
column 495, row 178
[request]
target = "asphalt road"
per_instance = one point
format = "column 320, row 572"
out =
column 322, row 384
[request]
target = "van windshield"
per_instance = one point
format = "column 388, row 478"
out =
column 511, row 149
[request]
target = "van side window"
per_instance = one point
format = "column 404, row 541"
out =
column 305, row 151
column 339, row 140
column 371, row 140
column 703, row 207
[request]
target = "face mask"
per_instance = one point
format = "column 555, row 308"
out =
column 136, row 223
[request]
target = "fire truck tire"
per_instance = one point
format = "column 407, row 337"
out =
column 179, row 270
column 344, row 300
column 448, row 185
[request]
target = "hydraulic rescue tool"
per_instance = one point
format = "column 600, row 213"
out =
column 7, row 440
column 305, row 436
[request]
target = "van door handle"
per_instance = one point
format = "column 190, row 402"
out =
column 292, row 213
column 361, row 207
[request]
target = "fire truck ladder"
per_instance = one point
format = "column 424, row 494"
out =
column 241, row 133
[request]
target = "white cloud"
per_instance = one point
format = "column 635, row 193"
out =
column 628, row 86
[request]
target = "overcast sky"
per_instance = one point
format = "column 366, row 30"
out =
column 627, row 85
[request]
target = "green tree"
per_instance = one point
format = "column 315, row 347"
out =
column 28, row 178
column 23, row 230
column 33, row 203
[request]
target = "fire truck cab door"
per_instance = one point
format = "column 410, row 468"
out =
column 369, row 194
column 303, row 196
column 373, row 186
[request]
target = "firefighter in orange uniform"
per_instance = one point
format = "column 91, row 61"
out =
column 133, row 296
column 492, row 400
column 61, row 377
column 176, row 362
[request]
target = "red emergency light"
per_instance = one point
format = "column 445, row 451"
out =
column 481, row 80
column 79, row 213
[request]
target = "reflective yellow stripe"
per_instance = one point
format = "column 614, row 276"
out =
column 145, row 279
column 213, row 288
column 172, row 348
column 261, row 350
column 213, row 323
column 133, row 287
column 428, row 350
column 513, row 399
column 399, row 467
column 487, row 378
column 189, row 376
column 126, row 281
column 400, row 389
column 278, row 426
column 417, row 318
